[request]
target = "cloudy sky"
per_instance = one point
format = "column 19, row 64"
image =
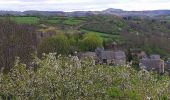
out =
column 84, row 5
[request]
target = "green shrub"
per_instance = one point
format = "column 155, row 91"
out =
column 67, row 78
column 115, row 92
column 90, row 42
column 59, row 44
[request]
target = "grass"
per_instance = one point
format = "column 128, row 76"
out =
column 104, row 35
column 72, row 21
column 2, row 17
column 63, row 20
column 25, row 20
column 53, row 21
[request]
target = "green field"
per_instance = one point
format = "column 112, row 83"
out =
column 106, row 36
column 1, row 17
column 103, row 35
column 53, row 21
column 64, row 20
column 72, row 21
column 25, row 20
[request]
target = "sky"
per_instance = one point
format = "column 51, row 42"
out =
column 83, row 5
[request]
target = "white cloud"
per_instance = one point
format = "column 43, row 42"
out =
column 72, row 5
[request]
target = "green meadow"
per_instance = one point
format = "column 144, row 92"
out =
column 66, row 21
column 26, row 20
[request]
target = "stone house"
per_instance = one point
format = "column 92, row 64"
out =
column 154, row 63
column 138, row 53
column 167, row 68
column 112, row 57
column 120, row 58
column 155, row 56
column 91, row 55
column 108, row 57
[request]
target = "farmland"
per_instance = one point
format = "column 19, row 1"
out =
column 25, row 20
column 64, row 20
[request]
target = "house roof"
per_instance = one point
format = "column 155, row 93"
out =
column 155, row 56
column 109, row 55
column 152, row 63
column 99, row 50
column 119, row 55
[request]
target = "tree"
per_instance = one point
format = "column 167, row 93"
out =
column 90, row 42
column 59, row 44
column 73, row 39
column 16, row 40
column 67, row 78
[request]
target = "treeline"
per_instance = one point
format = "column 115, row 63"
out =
column 15, row 40
column 104, row 24
column 69, row 43
column 150, row 35
column 19, row 40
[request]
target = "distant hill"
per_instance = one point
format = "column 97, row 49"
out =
column 110, row 11
column 43, row 13
column 149, row 13
column 15, row 13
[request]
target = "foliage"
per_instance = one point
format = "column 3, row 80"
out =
column 25, row 20
column 90, row 42
column 129, row 32
column 16, row 40
column 105, row 36
column 64, row 20
column 104, row 24
column 58, row 43
column 67, row 78
column 133, row 32
column 72, row 21
column 53, row 21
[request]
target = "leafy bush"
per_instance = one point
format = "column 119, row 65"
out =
column 58, row 43
column 104, row 24
column 72, row 21
column 90, row 42
column 67, row 78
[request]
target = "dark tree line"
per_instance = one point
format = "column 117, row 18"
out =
column 16, row 40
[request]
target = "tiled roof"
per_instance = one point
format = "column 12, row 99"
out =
column 155, row 56
column 119, row 55
column 152, row 64
column 109, row 55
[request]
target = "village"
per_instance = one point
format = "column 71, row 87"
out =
column 116, row 56
column 84, row 50
column 151, row 62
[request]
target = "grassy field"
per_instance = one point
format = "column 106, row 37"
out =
column 103, row 35
column 66, row 21
column 25, row 20
column 1, row 17
column 53, row 21
column 107, row 37
column 72, row 21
